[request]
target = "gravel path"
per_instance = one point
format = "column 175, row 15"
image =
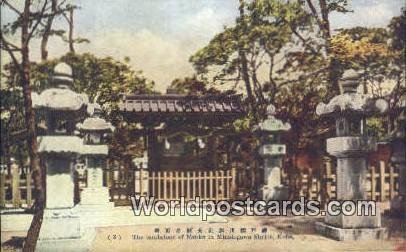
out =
column 239, row 234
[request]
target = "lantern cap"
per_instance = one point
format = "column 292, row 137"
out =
column 354, row 104
column 350, row 101
column 270, row 110
column 60, row 97
column 271, row 124
column 62, row 74
column 350, row 81
column 95, row 122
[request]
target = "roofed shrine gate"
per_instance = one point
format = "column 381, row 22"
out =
column 182, row 152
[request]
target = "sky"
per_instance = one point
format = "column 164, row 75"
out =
column 159, row 36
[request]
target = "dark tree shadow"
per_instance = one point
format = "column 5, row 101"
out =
column 15, row 243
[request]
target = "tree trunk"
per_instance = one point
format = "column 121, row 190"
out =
column 47, row 31
column 70, row 39
column 39, row 185
column 244, row 63
column 333, row 64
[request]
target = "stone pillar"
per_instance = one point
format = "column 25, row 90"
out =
column 398, row 158
column 15, row 184
column 95, row 198
column 141, row 175
column 272, row 153
column 272, row 170
column 351, row 148
column 95, row 166
column 352, row 168
column 61, row 229
column 59, row 181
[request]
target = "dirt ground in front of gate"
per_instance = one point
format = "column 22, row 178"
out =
column 283, row 234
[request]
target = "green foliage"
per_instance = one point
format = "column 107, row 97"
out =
column 218, row 53
column 12, row 120
column 264, row 31
column 271, row 35
column 104, row 79
column 293, row 61
column 375, row 127
column 380, row 54
column 243, row 125
column 192, row 86
column 297, row 105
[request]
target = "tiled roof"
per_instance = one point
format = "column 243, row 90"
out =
column 170, row 103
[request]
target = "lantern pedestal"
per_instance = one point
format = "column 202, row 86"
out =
column 273, row 189
column 352, row 168
column 95, row 208
column 398, row 158
column 351, row 147
column 350, row 234
column 61, row 228
column 95, row 197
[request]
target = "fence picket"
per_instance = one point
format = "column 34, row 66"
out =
column 211, row 184
column 328, row 180
column 176, row 184
column 199, row 183
column 373, row 183
column 188, row 185
column 165, row 179
column 29, row 189
column 15, row 185
column 159, row 185
column 382, row 179
column 205, row 185
column 182, row 188
column 153, row 183
column 2, row 189
column 391, row 182
column 194, row 180
column 214, row 185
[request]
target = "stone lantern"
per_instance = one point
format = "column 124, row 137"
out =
column 95, row 130
column 62, row 108
column 398, row 158
column 272, row 152
column 351, row 147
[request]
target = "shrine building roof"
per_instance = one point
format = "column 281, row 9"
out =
column 167, row 105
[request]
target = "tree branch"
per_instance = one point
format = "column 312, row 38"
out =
column 14, row 47
column 10, row 52
column 304, row 41
column 5, row 2
column 315, row 14
column 38, row 21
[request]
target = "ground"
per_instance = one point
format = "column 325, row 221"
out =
column 283, row 234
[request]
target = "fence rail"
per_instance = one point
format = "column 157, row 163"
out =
column 16, row 185
column 382, row 183
column 171, row 185
column 16, row 188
